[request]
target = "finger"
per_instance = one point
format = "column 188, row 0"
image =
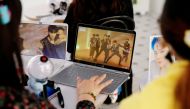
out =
column 93, row 78
column 100, row 79
column 105, row 84
column 78, row 81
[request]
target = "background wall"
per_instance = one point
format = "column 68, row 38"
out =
column 156, row 6
column 148, row 6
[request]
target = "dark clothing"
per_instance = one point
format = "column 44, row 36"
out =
column 126, row 51
column 115, row 51
column 104, row 47
column 92, row 46
column 58, row 12
column 70, row 20
column 53, row 51
column 97, row 48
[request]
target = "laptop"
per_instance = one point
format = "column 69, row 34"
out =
column 100, row 50
column 45, row 39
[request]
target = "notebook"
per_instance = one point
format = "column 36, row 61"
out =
column 100, row 50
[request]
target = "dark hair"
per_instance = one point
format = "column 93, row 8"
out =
column 114, row 41
column 63, row 4
column 52, row 4
column 9, row 38
column 175, row 20
column 60, row 28
column 88, row 10
column 52, row 28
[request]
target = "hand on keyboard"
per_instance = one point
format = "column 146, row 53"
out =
column 89, row 89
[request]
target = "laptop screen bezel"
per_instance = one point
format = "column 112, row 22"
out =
column 98, row 64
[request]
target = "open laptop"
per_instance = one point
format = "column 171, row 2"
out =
column 100, row 50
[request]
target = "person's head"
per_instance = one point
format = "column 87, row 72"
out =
column 97, row 35
column 63, row 6
column 160, row 51
column 61, row 31
column 174, row 22
column 114, row 41
column 94, row 8
column 52, row 31
column 9, row 48
column 52, row 6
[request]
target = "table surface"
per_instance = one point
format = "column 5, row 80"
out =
column 69, row 93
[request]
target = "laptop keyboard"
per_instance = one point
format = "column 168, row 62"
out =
column 85, row 72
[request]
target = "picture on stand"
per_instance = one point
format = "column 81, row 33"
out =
column 159, row 57
column 49, row 40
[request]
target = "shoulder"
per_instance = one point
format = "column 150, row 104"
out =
column 159, row 94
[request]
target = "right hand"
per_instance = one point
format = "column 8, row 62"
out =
column 93, row 85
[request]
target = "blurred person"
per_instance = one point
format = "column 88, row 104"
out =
column 97, row 44
column 172, row 91
column 115, row 51
column 126, row 50
column 105, row 47
column 12, row 79
column 92, row 46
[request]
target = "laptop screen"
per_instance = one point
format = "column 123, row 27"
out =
column 44, row 39
column 105, row 46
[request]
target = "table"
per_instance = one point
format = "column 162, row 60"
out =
column 69, row 93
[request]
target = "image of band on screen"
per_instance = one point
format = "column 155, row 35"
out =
column 105, row 47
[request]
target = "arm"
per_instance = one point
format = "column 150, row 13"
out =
column 72, row 29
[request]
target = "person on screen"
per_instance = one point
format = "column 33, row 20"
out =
column 160, row 63
column 126, row 50
column 54, row 44
column 97, row 44
column 105, row 43
column 92, row 46
column 13, row 94
column 115, row 51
